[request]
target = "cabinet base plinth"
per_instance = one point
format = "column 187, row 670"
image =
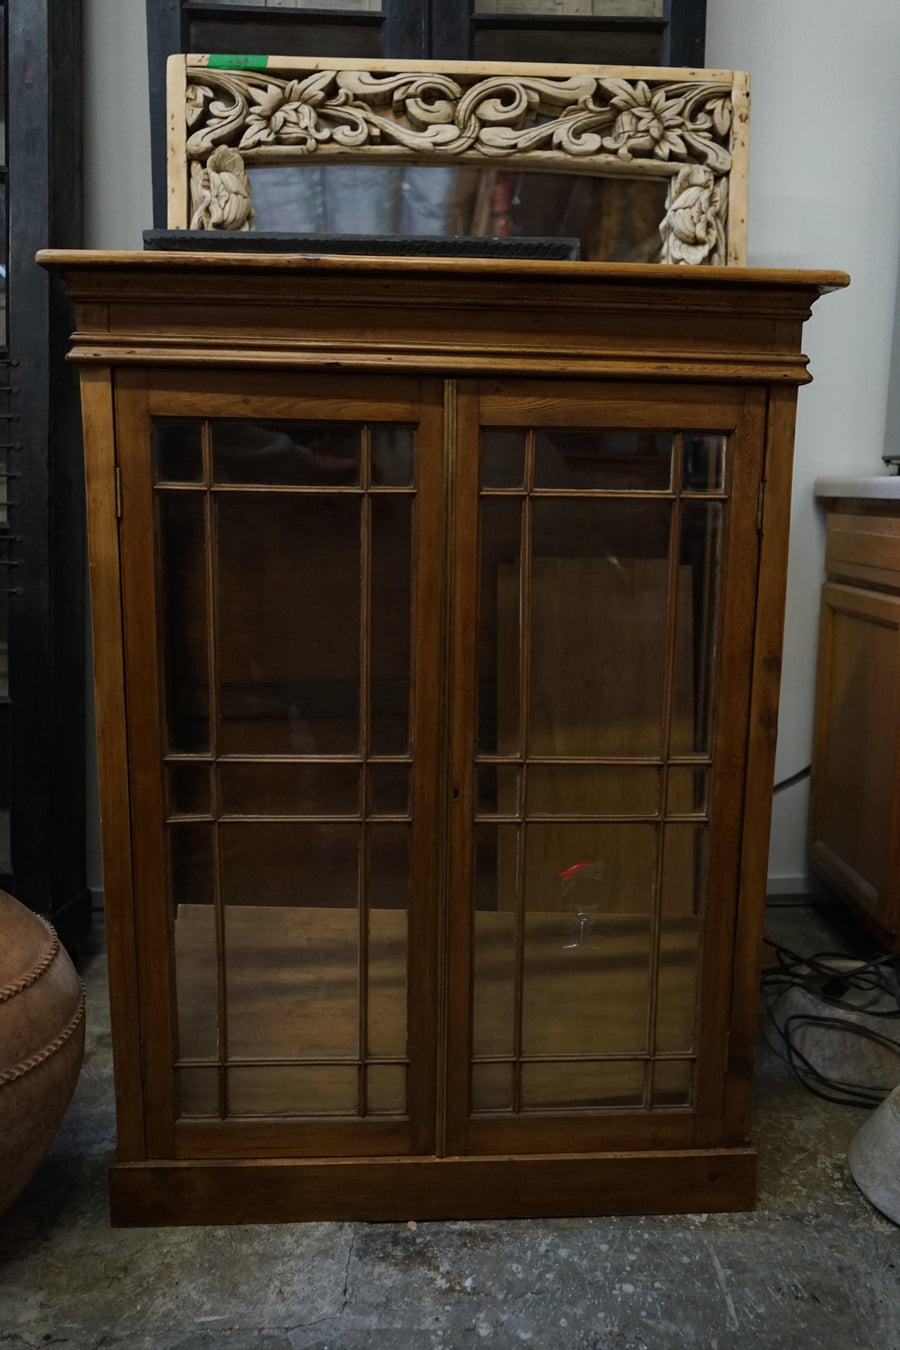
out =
column 400, row 1189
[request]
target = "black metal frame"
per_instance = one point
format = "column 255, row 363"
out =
column 45, row 739
column 404, row 30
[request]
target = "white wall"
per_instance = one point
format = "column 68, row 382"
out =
column 824, row 192
column 117, row 193
column 117, row 207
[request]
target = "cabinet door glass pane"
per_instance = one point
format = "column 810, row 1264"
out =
column 607, row 460
column 184, row 620
column 588, row 899
column 177, row 450
column 289, row 622
column 290, row 453
column 598, row 581
column 289, row 570
column 190, row 850
column 391, row 599
column 494, row 940
column 597, row 603
column 499, row 632
column 695, row 635
column 289, row 789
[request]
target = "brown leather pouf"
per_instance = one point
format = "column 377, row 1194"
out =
column 41, row 1041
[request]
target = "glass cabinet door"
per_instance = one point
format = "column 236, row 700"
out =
column 590, row 886
column 292, row 627
column 437, row 748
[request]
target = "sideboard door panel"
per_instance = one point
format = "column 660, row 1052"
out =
column 593, row 885
column 856, row 759
column 289, row 631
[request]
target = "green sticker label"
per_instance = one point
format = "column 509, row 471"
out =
column 237, row 62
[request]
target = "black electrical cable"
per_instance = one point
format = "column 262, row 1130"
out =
column 793, row 778
column 879, row 977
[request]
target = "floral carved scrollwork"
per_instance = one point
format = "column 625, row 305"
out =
column 693, row 230
column 220, row 193
column 582, row 123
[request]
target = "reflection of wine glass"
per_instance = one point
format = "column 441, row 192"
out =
column 580, row 928
column 580, row 886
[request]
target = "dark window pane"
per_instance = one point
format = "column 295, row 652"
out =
column 388, row 866
column 704, row 462
column 592, row 790
column 183, row 620
column 294, row 454
column 293, row 1090
column 492, row 1087
column 177, row 450
column 556, row 9
column 289, row 622
column 191, row 864
column 392, row 456
column 196, row 947
column 493, row 940
column 389, row 789
column 304, row 36
column 502, row 457
column 309, row 866
column 273, row 789
column 391, row 603
column 198, row 1091
column 673, row 1082
column 686, row 791
column 386, row 1089
column 582, row 1085
column 499, row 634
column 696, row 627
column 497, row 790
column 598, row 604
column 578, row 46
column 616, row 461
column 189, row 789
column 292, row 982
column 344, row 5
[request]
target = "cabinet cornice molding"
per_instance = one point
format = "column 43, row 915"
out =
column 590, row 319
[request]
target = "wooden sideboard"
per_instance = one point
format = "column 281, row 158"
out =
column 854, row 822
column 438, row 612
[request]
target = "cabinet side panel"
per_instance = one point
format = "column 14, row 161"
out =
column 109, row 681
column 141, row 664
column 764, row 694
column 734, row 833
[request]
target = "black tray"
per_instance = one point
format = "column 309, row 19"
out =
column 379, row 245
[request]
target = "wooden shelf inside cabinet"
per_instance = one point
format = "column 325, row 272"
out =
column 854, row 830
column 437, row 617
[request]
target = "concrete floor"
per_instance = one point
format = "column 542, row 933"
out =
column 814, row 1266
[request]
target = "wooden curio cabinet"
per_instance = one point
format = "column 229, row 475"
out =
column 438, row 614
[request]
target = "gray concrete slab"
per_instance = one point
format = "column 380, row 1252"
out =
column 813, row 1266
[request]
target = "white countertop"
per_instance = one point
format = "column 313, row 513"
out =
column 876, row 487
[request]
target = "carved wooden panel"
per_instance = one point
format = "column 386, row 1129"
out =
column 687, row 129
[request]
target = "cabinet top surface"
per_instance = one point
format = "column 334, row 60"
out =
column 881, row 487
column 79, row 261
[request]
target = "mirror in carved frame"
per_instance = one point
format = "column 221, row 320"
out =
column 638, row 164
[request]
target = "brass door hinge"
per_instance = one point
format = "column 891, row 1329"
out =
column 118, row 493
